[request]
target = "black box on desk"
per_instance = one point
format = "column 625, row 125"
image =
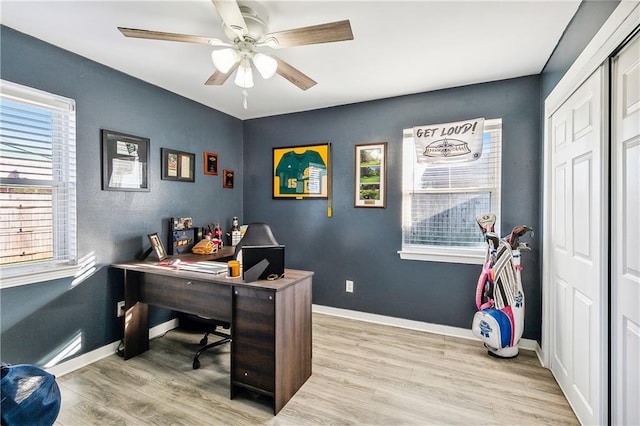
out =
column 182, row 235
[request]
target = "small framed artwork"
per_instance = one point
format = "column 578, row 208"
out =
column 302, row 172
column 210, row 163
column 227, row 181
column 178, row 165
column 157, row 246
column 371, row 175
column 125, row 162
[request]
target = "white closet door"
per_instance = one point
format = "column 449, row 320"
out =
column 578, row 284
column 625, row 262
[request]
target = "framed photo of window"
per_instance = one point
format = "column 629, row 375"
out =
column 210, row 163
column 302, row 172
column 157, row 246
column 178, row 165
column 371, row 175
column 125, row 162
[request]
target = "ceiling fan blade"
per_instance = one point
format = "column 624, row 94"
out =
column 159, row 35
column 219, row 78
column 231, row 16
column 315, row 34
column 295, row 76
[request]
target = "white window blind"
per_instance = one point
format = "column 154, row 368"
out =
column 440, row 202
column 37, row 182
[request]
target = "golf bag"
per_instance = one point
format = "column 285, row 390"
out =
column 499, row 322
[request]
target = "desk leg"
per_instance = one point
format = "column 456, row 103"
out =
column 136, row 318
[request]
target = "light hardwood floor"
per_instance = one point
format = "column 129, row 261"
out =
column 363, row 374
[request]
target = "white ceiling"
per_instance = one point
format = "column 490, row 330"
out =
column 399, row 47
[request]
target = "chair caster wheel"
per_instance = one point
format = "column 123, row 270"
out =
column 204, row 341
column 196, row 364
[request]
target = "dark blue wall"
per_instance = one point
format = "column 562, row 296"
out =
column 361, row 244
column 112, row 226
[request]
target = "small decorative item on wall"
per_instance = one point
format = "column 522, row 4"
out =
column 210, row 163
column 125, row 162
column 301, row 172
column 178, row 165
column 227, row 181
column 371, row 175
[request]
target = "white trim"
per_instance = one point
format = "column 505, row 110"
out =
column 22, row 275
column 453, row 255
column 445, row 330
column 105, row 351
column 622, row 22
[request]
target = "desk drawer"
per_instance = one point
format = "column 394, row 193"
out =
column 191, row 296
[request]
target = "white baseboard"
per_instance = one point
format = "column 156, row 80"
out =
column 525, row 344
column 83, row 360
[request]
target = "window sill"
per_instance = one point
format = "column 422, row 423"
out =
column 471, row 256
column 15, row 276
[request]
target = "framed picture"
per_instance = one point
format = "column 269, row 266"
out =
column 371, row 175
column 301, row 172
column 227, row 180
column 178, row 165
column 210, row 163
column 157, row 246
column 125, row 162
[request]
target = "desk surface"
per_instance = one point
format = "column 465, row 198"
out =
column 291, row 276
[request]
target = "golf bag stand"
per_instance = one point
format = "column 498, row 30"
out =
column 499, row 322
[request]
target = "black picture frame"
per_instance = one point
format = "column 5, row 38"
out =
column 125, row 162
column 157, row 246
column 178, row 165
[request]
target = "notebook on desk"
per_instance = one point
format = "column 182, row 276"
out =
column 205, row 266
column 262, row 262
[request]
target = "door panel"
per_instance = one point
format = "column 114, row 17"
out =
column 578, row 358
column 625, row 261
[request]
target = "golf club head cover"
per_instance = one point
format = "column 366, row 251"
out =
column 486, row 222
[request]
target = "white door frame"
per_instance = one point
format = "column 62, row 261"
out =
column 624, row 19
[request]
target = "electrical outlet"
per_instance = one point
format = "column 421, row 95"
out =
column 349, row 287
column 120, row 309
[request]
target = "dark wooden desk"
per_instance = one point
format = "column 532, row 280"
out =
column 270, row 321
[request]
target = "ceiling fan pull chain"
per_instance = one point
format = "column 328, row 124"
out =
column 245, row 94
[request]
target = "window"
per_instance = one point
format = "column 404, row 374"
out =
column 440, row 202
column 37, row 185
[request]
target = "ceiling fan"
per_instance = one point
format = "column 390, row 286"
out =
column 247, row 33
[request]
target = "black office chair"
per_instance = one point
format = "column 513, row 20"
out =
column 257, row 234
column 212, row 326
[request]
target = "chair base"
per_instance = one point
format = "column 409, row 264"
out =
column 225, row 339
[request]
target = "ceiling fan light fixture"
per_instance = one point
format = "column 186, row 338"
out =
column 266, row 65
column 224, row 59
column 244, row 75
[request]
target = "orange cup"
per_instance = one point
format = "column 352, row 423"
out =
column 234, row 268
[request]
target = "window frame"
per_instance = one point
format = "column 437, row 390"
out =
column 30, row 272
column 448, row 253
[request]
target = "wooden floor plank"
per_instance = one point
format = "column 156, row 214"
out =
column 363, row 374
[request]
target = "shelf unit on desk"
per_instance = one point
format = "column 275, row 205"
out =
column 270, row 321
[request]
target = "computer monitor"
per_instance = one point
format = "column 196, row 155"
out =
column 262, row 262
